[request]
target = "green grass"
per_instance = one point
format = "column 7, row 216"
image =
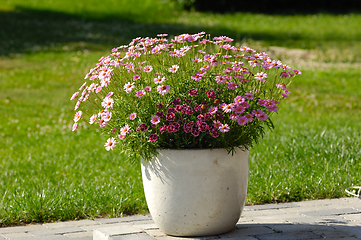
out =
column 49, row 173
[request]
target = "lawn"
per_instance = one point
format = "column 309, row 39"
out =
column 49, row 173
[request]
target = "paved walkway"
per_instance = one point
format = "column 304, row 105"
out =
column 319, row 219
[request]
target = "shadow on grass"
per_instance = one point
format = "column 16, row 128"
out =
column 27, row 30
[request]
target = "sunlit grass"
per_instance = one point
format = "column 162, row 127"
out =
column 49, row 173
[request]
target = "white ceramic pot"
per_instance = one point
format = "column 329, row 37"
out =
column 196, row 192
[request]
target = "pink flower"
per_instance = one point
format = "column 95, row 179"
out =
column 103, row 123
column 249, row 95
column 114, row 130
column 238, row 109
column 74, row 95
column 132, row 116
column 82, row 86
column 155, row 120
column 284, row 95
column 261, row 76
column 284, row 74
column 203, row 127
column 170, row 116
column 77, row 116
column 262, row 102
column 242, row 121
column 245, row 105
column 153, row 137
column 148, row 88
column 262, row 116
column 124, row 130
column 233, row 117
column 109, row 94
column 238, row 100
column 163, row 89
column 140, row 93
column 107, row 103
column 163, row 128
column 197, row 60
column 159, row 80
column 213, row 110
column 195, row 132
column 128, row 87
column 227, row 108
column 136, row 77
column 106, row 116
column 217, row 123
column 174, row 68
column 121, row 136
column 232, row 85
column 297, row 72
column 142, row 127
column 224, row 128
column 257, row 112
column 93, row 118
column 248, row 117
column 110, row 144
column 147, row 68
column 77, row 105
column 75, row 126
column 99, row 88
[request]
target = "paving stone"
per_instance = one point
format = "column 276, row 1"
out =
column 92, row 228
column 16, row 235
column 242, row 238
column 264, row 219
column 353, row 228
column 124, row 219
column 315, row 219
column 270, row 212
column 333, row 203
column 344, row 238
column 146, row 226
column 284, row 228
column 21, row 229
column 79, row 235
column 314, row 209
column 270, row 206
column 56, row 231
column 154, row 232
column 50, row 237
column 331, row 232
column 328, row 212
column 251, row 230
column 166, row 237
column 289, row 236
column 105, row 233
column 353, row 217
column 143, row 222
column 71, row 224
column 138, row 236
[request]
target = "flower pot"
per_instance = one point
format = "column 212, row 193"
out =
column 196, row 192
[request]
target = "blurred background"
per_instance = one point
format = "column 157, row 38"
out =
column 48, row 173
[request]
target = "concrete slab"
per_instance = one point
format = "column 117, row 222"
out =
column 107, row 233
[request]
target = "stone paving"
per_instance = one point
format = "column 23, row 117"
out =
column 318, row 219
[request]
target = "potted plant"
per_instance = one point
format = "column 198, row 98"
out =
column 189, row 108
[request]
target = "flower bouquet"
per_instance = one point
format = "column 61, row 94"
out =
column 188, row 92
